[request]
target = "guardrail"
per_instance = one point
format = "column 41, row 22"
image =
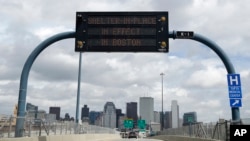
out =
column 42, row 128
column 219, row 130
column 70, row 137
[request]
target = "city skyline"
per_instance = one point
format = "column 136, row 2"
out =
column 148, row 102
column 113, row 117
column 124, row 111
column 98, row 110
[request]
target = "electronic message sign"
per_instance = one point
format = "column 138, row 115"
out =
column 121, row 32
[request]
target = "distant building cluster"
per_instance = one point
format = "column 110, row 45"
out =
column 32, row 113
column 113, row 117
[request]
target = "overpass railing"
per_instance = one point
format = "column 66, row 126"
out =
column 219, row 130
column 37, row 127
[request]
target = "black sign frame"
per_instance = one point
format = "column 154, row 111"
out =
column 122, row 32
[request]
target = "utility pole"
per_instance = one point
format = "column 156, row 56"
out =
column 162, row 121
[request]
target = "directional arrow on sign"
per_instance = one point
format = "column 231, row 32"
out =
column 236, row 102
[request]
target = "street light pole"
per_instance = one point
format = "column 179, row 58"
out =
column 78, row 93
column 162, row 122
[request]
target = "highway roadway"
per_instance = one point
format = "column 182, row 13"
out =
column 134, row 139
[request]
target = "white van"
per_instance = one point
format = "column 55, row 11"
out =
column 142, row 134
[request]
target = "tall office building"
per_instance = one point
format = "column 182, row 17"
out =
column 168, row 120
column 157, row 117
column 175, row 114
column 180, row 122
column 93, row 116
column 109, row 115
column 99, row 119
column 189, row 118
column 31, row 110
column 15, row 114
column 31, row 107
column 132, row 111
column 118, row 115
column 147, row 109
column 85, row 113
column 56, row 111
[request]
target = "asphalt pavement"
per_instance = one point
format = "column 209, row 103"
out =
column 134, row 139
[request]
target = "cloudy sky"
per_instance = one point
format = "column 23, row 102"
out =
column 194, row 75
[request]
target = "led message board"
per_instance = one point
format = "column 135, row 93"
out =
column 121, row 32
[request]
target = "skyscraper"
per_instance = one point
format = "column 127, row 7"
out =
column 85, row 113
column 56, row 111
column 93, row 116
column 147, row 109
column 118, row 115
column 157, row 117
column 31, row 107
column 168, row 119
column 175, row 114
column 132, row 111
column 31, row 110
column 109, row 115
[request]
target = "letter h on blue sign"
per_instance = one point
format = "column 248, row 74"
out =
column 233, row 80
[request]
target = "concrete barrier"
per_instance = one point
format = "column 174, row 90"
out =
column 20, row 139
column 180, row 138
column 71, row 137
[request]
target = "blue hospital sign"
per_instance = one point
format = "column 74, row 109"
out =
column 234, row 86
column 233, row 80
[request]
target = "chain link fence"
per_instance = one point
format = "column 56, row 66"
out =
column 219, row 130
column 42, row 128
